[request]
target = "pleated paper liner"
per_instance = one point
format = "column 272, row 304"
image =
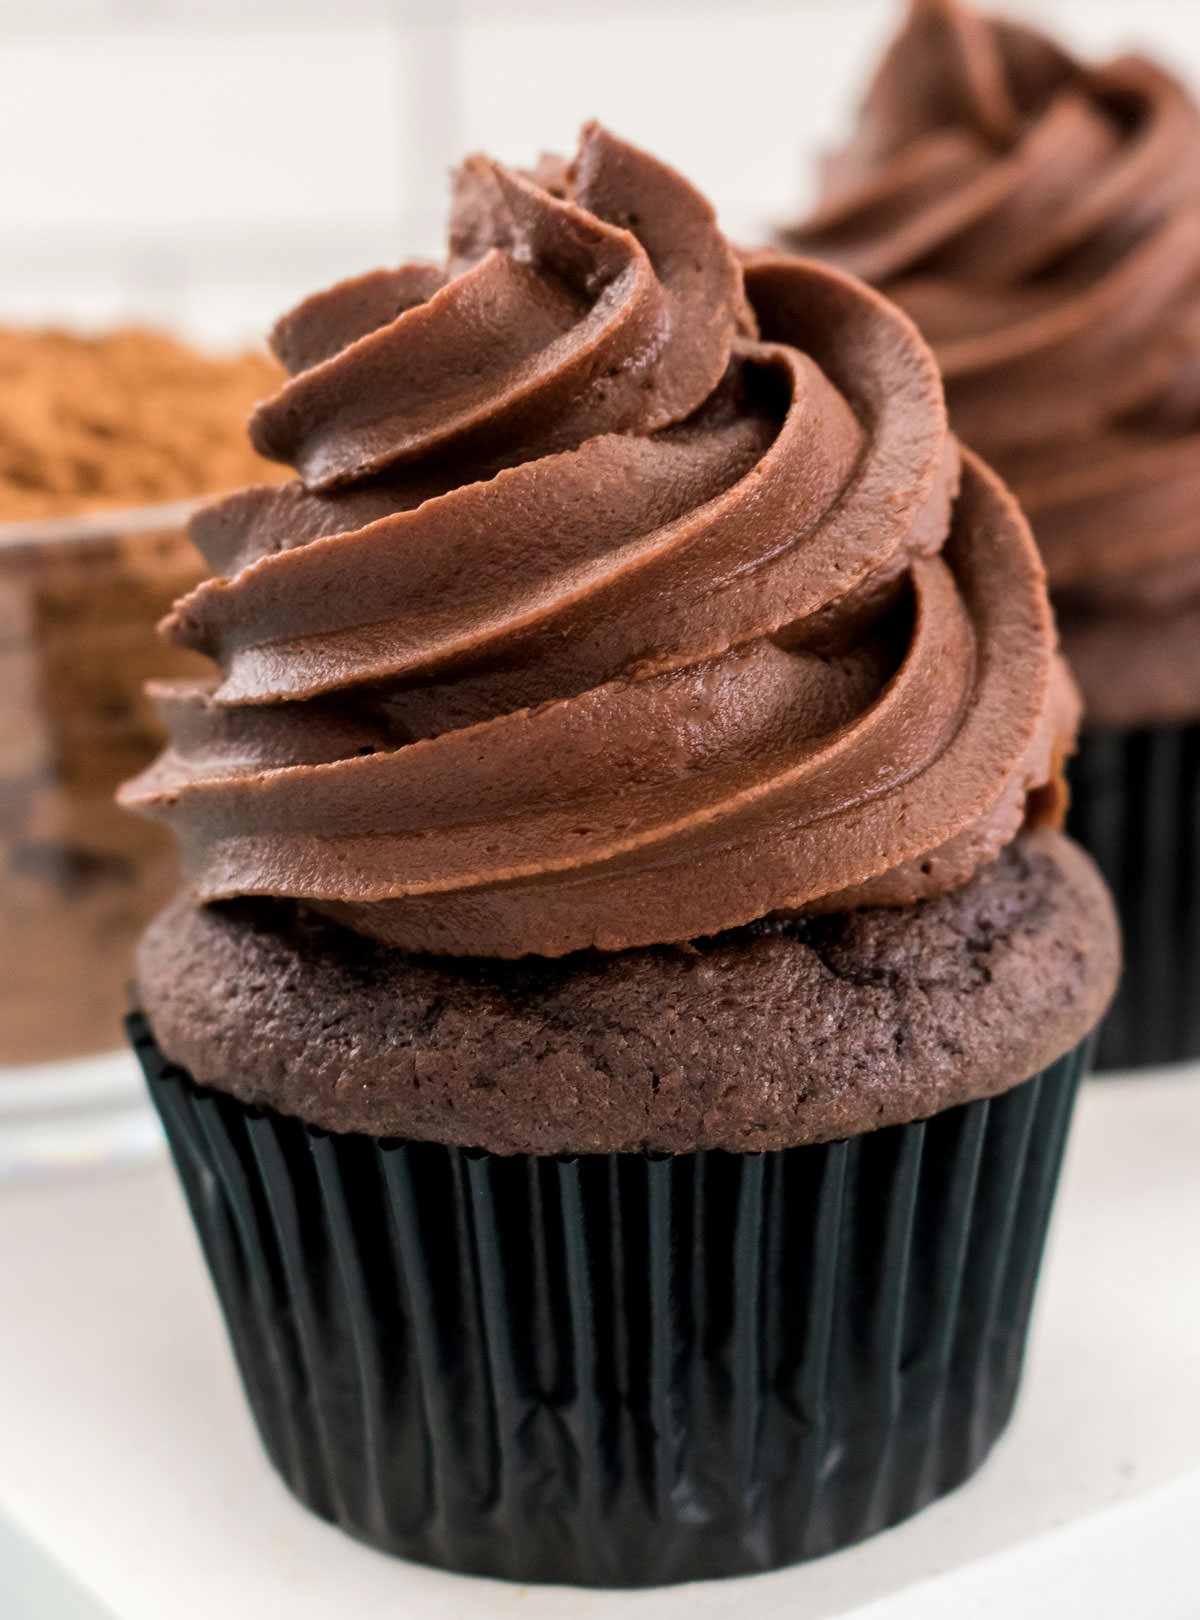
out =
column 1136, row 808
column 623, row 1370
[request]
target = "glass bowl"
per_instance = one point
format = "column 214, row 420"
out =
column 79, row 877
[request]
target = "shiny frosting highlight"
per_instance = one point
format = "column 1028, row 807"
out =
column 1040, row 220
column 627, row 593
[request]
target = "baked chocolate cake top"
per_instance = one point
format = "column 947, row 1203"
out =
column 627, row 595
column 1039, row 217
column 768, row 1037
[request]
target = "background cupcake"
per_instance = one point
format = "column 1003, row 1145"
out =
column 619, row 1036
column 1040, row 219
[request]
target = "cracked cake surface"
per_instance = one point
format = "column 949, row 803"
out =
column 790, row 1031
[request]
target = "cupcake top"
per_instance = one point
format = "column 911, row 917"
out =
column 1039, row 218
column 627, row 594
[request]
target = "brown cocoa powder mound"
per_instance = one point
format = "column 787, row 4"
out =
column 126, row 419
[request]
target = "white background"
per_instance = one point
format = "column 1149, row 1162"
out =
column 204, row 163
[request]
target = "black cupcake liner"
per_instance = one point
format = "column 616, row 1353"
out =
column 623, row 1370
column 1136, row 808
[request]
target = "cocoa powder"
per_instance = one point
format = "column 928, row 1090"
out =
column 125, row 419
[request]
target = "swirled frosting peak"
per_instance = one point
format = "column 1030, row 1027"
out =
column 1039, row 217
column 626, row 594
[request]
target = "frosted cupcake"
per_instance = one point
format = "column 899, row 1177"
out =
column 620, row 1031
column 1039, row 217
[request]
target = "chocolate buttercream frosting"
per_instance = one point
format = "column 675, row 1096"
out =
column 627, row 594
column 1039, row 217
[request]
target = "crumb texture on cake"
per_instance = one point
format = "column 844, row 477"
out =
column 787, row 1032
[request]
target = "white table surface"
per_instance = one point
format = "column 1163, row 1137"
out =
column 129, row 1469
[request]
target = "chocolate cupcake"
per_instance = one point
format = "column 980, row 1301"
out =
column 620, row 1033
column 1040, row 220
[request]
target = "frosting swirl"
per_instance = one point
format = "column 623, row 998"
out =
column 1040, row 220
column 628, row 594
